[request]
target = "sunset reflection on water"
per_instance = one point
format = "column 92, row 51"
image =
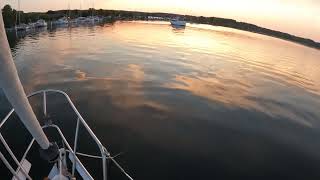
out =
column 202, row 95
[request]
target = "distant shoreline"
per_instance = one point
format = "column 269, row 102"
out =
column 231, row 23
column 114, row 15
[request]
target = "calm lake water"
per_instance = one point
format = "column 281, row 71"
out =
column 196, row 103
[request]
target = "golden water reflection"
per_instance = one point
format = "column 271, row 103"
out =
column 199, row 95
column 235, row 68
column 208, row 48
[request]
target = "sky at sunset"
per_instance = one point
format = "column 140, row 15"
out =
column 298, row 17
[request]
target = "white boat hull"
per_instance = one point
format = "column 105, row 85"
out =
column 178, row 23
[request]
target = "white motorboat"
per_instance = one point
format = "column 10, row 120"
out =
column 80, row 20
column 22, row 27
column 177, row 22
column 93, row 19
column 40, row 23
column 61, row 21
column 97, row 18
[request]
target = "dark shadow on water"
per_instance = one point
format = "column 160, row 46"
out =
column 175, row 144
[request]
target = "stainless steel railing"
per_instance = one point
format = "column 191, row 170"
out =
column 104, row 153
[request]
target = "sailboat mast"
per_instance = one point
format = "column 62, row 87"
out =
column 80, row 14
column 92, row 8
column 19, row 12
column 69, row 13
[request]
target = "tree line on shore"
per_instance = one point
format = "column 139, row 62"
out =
column 10, row 20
